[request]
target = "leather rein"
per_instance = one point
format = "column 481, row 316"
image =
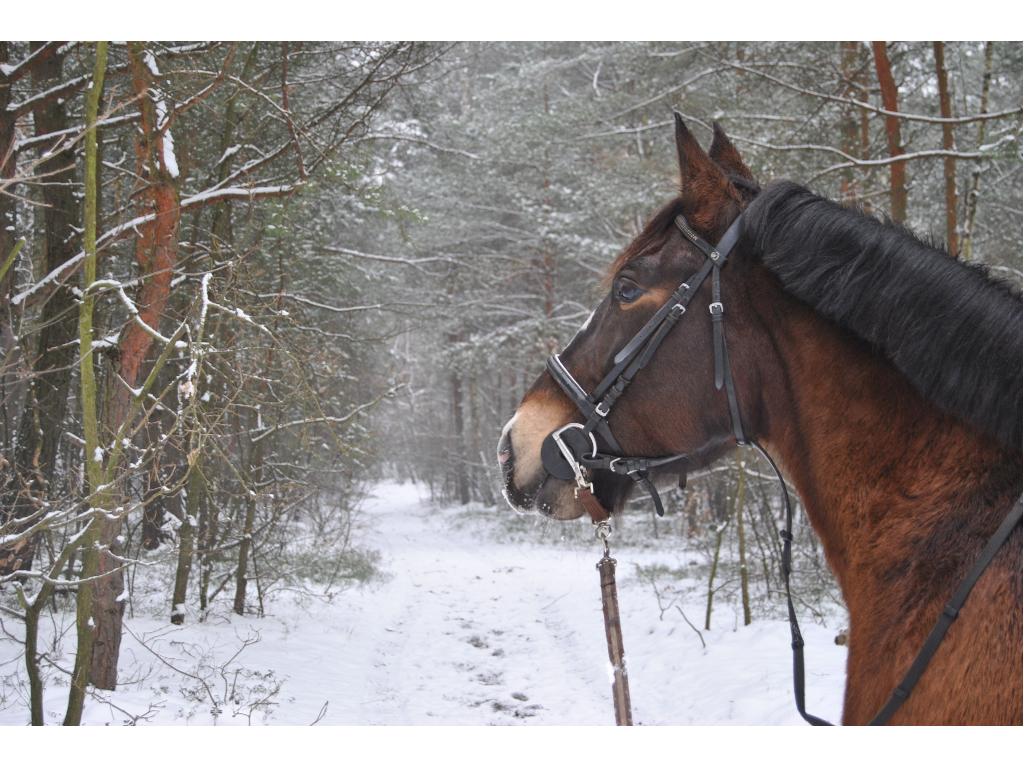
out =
column 574, row 451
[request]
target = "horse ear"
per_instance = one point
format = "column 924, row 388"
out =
column 703, row 185
column 724, row 153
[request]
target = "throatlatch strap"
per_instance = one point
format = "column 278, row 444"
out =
column 723, row 371
column 796, row 637
column 717, row 310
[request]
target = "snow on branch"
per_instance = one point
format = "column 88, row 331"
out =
column 390, row 259
column 58, row 275
column 118, row 288
column 259, row 435
column 12, row 72
column 163, row 118
column 416, row 140
column 872, row 108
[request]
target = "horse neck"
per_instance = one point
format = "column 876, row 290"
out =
column 876, row 465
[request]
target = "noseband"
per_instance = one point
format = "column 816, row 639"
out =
column 572, row 452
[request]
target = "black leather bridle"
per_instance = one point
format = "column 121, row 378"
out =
column 573, row 451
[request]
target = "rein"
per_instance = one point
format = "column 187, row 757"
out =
column 573, row 452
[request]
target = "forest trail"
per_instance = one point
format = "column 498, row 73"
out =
column 468, row 630
column 467, row 626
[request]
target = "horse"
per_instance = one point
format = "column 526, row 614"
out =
column 881, row 374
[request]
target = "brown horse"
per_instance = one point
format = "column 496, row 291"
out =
column 881, row 374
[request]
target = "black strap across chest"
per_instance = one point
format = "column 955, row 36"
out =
column 577, row 454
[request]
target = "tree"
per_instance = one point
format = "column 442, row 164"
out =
column 898, row 167
column 949, row 144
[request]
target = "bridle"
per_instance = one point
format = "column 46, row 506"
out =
column 572, row 452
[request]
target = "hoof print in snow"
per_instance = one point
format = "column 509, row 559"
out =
column 499, row 652
column 520, row 696
column 490, row 678
column 530, row 711
column 477, row 642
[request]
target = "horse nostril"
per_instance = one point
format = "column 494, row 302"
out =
column 505, row 450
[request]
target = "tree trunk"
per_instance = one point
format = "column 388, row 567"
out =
column 8, row 220
column 741, row 497
column 42, row 419
column 967, row 247
column 720, row 516
column 890, row 101
column 221, row 237
column 849, row 120
column 254, row 477
column 949, row 144
column 196, row 493
column 99, row 498
column 156, row 253
column 461, row 475
column 719, row 530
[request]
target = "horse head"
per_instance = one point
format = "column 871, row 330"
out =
column 672, row 406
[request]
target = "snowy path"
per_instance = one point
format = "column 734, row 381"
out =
column 468, row 630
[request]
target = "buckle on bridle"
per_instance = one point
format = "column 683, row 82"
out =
column 570, row 457
column 602, row 413
column 713, row 311
column 578, row 488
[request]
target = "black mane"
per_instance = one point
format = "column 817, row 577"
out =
column 949, row 327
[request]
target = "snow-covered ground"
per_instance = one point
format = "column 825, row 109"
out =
column 468, row 627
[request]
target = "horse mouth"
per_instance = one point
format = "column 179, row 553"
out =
column 548, row 496
column 551, row 497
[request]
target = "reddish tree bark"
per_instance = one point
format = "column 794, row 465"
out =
column 948, row 143
column 890, row 102
column 849, row 122
column 156, row 252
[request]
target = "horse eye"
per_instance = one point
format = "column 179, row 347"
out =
column 626, row 290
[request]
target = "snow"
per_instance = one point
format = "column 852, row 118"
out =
column 170, row 162
column 228, row 153
column 470, row 626
column 51, row 277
